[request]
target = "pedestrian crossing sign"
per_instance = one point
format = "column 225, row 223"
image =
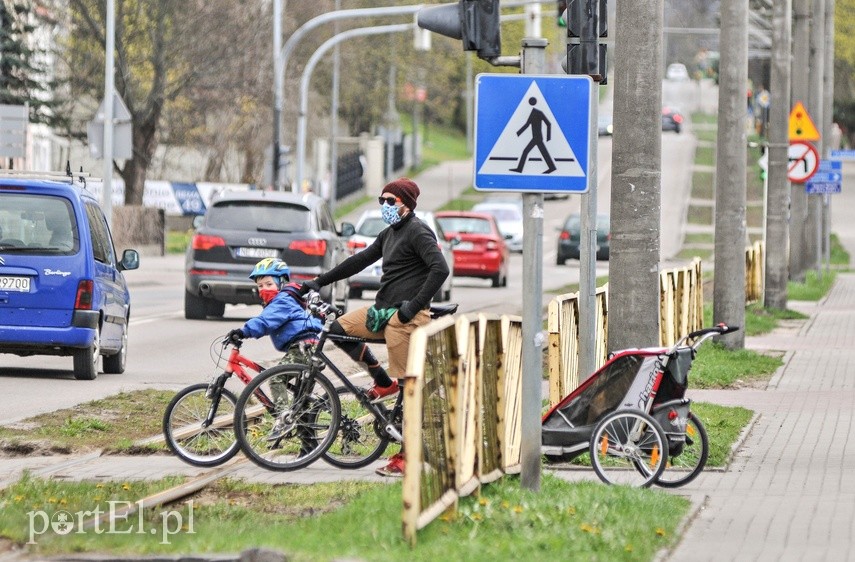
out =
column 533, row 133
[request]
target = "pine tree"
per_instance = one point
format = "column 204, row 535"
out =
column 23, row 70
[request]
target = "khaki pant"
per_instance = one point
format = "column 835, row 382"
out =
column 397, row 335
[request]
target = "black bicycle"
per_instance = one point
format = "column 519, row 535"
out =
column 308, row 417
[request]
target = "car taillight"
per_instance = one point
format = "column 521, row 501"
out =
column 206, row 242
column 309, row 247
column 83, row 300
column 564, row 235
column 491, row 245
column 677, row 118
column 356, row 245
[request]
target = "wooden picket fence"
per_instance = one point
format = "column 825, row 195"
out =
column 464, row 384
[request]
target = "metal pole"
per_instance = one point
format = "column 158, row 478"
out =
column 586, row 12
column 277, row 86
column 333, row 194
column 307, row 74
column 533, row 62
column 109, row 90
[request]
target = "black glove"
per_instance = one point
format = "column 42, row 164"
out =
column 310, row 285
column 407, row 311
column 236, row 335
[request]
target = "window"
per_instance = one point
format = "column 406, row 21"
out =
column 259, row 216
column 102, row 245
column 42, row 224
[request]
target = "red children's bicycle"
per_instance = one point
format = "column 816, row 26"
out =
column 198, row 422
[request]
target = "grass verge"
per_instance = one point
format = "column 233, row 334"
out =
column 505, row 522
column 113, row 423
column 724, row 424
column 717, row 367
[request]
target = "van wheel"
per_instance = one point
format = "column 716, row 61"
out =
column 195, row 308
column 115, row 364
column 86, row 360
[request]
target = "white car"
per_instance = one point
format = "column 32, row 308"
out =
column 510, row 220
column 370, row 224
column 677, row 72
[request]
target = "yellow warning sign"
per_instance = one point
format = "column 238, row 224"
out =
column 801, row 125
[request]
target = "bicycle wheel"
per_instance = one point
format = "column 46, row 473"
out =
column 185, row 431
column 286, row 417
column 685, row 466
column 360, row 439
column 625, row 440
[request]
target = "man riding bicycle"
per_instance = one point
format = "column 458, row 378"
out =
column 413, row 272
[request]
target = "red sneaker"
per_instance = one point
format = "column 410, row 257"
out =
column 377, row 392
column 395, row 468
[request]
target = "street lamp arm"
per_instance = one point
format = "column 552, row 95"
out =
column 307, row 74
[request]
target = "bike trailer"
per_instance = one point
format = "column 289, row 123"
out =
column 627, row 381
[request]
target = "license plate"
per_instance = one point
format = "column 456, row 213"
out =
column 17, row 284
column 465, row 246
column 257, row 253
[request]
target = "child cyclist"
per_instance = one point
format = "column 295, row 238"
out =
column 284, row 316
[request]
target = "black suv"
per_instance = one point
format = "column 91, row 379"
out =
column 242, row 227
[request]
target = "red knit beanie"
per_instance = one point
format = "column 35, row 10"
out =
column 406, row 189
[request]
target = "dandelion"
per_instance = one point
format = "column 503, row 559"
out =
column 506, row 504
column 584, row 527
column 126, row 486
column 660, row 531
column 99, row 485
column 19, row 499
column 62, row 501
column 628, row 548
column 52, row 500
column 477, row 516
column 484, row 501
column 518, row 509
column 571, row 511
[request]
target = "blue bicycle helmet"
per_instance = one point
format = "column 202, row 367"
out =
column 273, row 267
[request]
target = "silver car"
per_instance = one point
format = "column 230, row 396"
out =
column 510, row 220
column 370, row 224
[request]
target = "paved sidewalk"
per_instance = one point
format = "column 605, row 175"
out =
column 789, row 493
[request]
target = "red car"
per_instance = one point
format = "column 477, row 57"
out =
column 480, row 249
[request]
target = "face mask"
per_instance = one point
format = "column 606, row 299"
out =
column 267, row 295
column 390, row 214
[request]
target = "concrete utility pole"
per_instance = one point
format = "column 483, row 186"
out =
column 730, row 184
column 827, row 116
column 813, row 241
column 778, row 193
column 109, row 90
column 636, row 175
column 799, row 73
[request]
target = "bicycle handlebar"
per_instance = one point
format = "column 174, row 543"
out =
column 318, row 307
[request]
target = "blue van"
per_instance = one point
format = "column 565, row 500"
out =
column 62, row 291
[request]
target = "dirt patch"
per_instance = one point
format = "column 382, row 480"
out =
column 30, row 448
column 251, row 501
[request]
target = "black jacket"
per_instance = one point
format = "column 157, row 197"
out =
column 413, row 266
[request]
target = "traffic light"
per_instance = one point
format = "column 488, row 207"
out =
column 475, row 22
column 586, row 20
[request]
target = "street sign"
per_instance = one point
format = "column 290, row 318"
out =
column 843, row 154
column 803, row 161
column 533, row 133
column 122, row 131
column 13, row 130
column 801, row 125
column 827, row 179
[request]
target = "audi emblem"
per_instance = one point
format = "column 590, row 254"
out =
column 257, row 241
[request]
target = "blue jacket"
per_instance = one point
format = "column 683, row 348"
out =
column 285, row 321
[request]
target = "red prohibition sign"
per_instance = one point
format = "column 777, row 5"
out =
column 803, row 161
